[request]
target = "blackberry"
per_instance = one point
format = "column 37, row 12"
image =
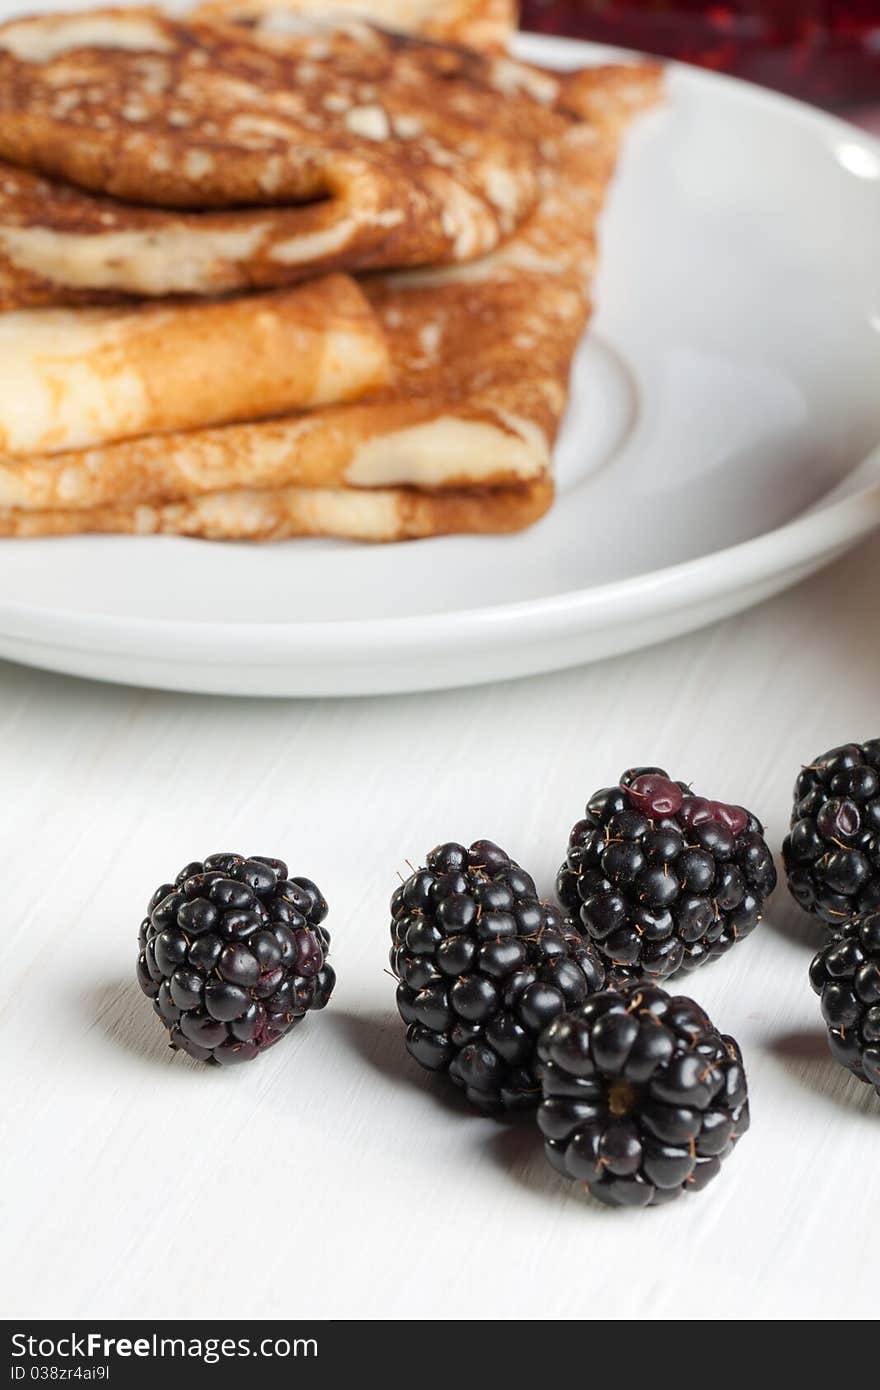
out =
column 846, row 976
column 663, row 880
column 643, row 1098
column 233, row 955
column 832, row 851
column 483, row 966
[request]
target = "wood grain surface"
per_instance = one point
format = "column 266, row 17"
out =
column 342, row 1179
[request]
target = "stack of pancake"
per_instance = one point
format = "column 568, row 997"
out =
column 269, row 270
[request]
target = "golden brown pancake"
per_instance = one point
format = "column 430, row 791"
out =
column 382, row 514
column 75, row 378
column 61, row 245
column 383, row 150
column 480, row 373
column 481, row 353
column 478, row 23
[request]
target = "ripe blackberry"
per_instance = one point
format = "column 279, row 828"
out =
column 846, row 976
column 483, row 966
column 233, row 955
column 832, row 851
column 643, row 1097
column 663, row 880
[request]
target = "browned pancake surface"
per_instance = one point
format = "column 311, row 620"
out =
column 477, row 23
column 200, row 114
column 75, row 378
column 211, row 158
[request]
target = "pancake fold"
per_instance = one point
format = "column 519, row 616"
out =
column 79, row 378
column 147, row 155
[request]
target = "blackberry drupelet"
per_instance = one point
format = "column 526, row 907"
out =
column 483, row 966
column 663, row 880
column 846, row 976
column 233, row 955
column 832, row 851
column 643, row 1098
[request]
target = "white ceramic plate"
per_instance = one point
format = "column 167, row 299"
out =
column 722, row 443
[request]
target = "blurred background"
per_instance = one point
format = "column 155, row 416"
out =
column 823, row 51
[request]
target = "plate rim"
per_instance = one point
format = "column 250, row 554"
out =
column 812, row 536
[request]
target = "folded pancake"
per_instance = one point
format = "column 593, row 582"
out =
column 384, row 514
column 75, row 378
column 479, row 387
column 477, row 23
column 481, row 356
column 225, row 159
column 62, row 246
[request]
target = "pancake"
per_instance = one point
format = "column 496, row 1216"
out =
column 73, row 378
column 478, row 23
column 385, row 514
column 466, row 407
column 373, row 150
column 481, row 357
column 61, row 245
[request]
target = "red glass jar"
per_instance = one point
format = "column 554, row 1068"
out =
column 825, row 51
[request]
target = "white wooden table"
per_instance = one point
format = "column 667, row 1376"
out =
column 342, row 1177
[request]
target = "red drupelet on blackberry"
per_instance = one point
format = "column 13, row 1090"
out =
column 233, row 955
column 846, row 976
column 832, row 851
column 643, row 1098
column 662, row 880
column 483, row 966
